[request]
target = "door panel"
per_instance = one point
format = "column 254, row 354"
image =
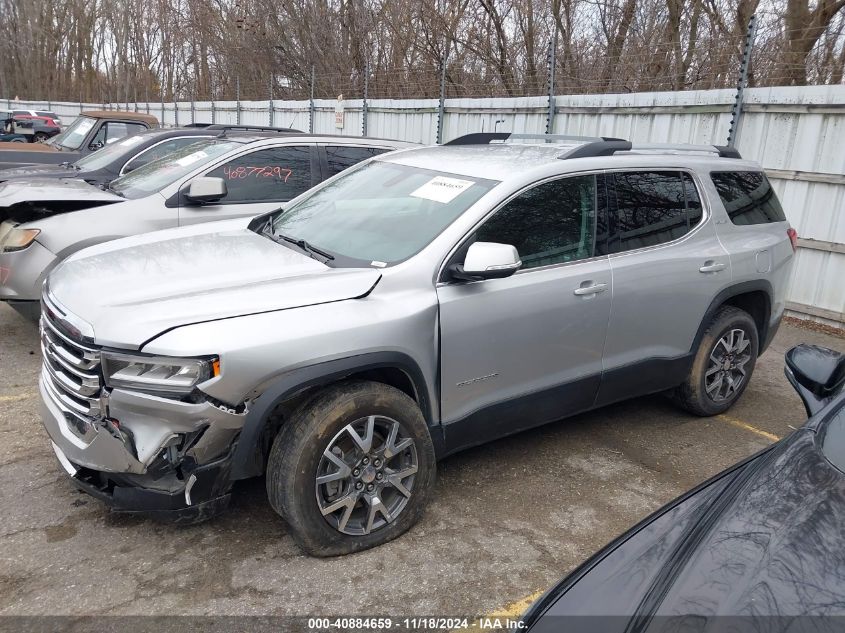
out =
column 258, row 182
column 506, row 338
column 663, row 286
column 527, row 349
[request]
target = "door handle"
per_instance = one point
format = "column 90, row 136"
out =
column 711, row 267
column 593, row 289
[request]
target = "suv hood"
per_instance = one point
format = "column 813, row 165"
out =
column 52, row 189
column 27, row 199
column 37, row 171
column 131, row 290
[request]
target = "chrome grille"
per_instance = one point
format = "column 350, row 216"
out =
column 71, row 369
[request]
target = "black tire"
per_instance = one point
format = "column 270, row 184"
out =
column 692, row 395
column 298, row 449
column 40, row 137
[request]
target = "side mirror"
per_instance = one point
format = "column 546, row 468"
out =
column 487, row 260
column 816, row 373
column 204, row 189
column 95, row 146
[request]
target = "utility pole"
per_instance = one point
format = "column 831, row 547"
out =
column 550, row 115
column 364, row 107
column 441, row 106
column 736, row 111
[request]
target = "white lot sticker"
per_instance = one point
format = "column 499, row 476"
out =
column 131, row 141
column 84, row 126
column 442, row 189
column 190, row 159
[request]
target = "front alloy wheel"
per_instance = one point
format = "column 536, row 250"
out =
column 351, row 468
column 365, row 477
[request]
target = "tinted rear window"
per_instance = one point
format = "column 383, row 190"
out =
column 653, row 207
column 748, row 197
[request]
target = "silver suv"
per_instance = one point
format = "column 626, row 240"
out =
column 233, row 175
column 420, row 303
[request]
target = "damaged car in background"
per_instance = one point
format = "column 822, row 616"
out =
column 43, row 221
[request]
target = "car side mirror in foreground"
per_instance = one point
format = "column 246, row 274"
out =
column 487, row 260
column 816, row 373
column 204, row 189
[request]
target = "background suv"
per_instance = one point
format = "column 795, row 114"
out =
column 420, row 303
column 231, row 175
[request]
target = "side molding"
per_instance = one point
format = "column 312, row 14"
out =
column 244, row 464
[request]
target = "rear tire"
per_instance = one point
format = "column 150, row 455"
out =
column 353, row 467
column 723, row 364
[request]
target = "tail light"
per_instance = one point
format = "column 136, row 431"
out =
column 793, row 238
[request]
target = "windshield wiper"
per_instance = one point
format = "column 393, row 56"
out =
column 106, row 186
column 305, row 246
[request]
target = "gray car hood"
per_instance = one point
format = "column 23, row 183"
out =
column 52, row 189
column 131, row 290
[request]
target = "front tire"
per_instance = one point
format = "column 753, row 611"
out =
column 353, row 468
column 723, row 364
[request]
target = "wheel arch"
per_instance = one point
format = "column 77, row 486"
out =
column 754, row 297
column 393, row 368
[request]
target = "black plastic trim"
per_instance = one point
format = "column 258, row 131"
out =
column 642, row 378
column 598, row 148
column 764, row 337
column 519, row 414
column 244, row 462
column 479, row 138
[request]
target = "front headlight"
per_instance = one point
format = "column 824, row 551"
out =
column 157, row 374
column 18, row 239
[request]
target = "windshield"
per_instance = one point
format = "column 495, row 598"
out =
column 74, row 134
column 156, row 175
column 381, row 213
column 104, row 157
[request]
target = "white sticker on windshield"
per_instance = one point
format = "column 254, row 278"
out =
column 190, row 159
column 84, row 126
column 442, row 189
column 131, row 141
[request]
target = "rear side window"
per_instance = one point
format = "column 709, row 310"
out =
column 339, row 157
column 551, row 223
column 653, row 207
column 748, row 197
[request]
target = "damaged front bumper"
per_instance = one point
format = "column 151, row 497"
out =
column 146, row 454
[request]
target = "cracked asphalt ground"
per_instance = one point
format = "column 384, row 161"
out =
column 508, row 518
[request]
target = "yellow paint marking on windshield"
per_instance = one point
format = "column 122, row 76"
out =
column 748, row 427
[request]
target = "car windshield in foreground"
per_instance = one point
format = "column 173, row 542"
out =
column 105, row 156
column 74, row 134
column 157, row 174
column 379, row 214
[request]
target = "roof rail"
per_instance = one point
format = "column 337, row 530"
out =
column 483, row 138
column 723, row 151
column 245, row 128
column 608, row 147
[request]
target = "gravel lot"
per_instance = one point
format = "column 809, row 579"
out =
column 509, row 518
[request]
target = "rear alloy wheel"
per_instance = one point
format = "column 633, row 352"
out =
column 723, row 364
column 352, row 468
column 726, row 373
